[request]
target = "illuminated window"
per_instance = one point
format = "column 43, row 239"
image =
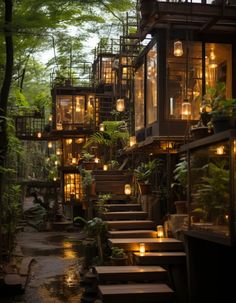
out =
column 139, row 98
column 72, row 150
column 72, row 187
column 151, row 89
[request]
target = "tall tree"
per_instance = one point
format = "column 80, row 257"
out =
column 4, row 93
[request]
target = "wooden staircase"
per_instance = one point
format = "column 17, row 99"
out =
column 149, row 277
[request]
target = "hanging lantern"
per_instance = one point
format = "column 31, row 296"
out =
column 178, row 49
column 220, row 150
column 160, row 231
column 74, row 160
column 68, row 141
column 101, row 127
column 142, row 248
column 58, row 151
column 39, row 135
column 186, row 110
column 120, row 105
column 50, row 118
column 212, row 59
column 49, row 144
column 128, row 189
column 132, row 141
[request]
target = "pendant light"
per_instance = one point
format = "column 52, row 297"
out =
column 178, row 49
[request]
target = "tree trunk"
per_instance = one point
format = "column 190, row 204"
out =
column 4, row 93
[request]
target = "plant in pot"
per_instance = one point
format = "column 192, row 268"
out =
column 118, row 256
column 222, row 110
column 88, row 160
column 180, row 185
column 96, row 229
column 143, row 174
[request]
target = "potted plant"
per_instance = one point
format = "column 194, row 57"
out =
column 87, row 160
column 222, row 110
column 100, row 204
column 118, row 256
column 88, row 183
column 180, row 185
column 143, row 174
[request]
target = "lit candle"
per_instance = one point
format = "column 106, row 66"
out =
column 74, row 161
column 120, row 105
column 96, row 160
column 101, row 127
column 160, row 231
column 49, row 144
column 132, row 141
column 220, row 150
column 105, row 167
column 142, row 248
column 39, row 134
column 127, row 189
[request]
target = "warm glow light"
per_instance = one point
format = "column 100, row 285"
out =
column 132, row 141
column 49, row 144
column 120, row 105
column 212, row 59
column 59, row 126
column 74, row 161
column 56, row 162
column 50, row 118
column 105, row 167
column 128, row 189
column 178, row 48
column 68, row 141
column 220, row 150
column 55, row 179
column 58, row 151
column 79, row 140
column 39, row 134
column 186, row 110
column 165, row 145
column 96, row 160
column 160, row 231
column 142, row 248
column 101, row 127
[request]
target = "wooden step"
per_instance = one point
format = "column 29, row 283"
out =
column 130, row 224
column 151, row 244
column 138, row 293
column 130, row 273
column 157, row 258
column 123, row 207
column 132, row 234
column 125, row 215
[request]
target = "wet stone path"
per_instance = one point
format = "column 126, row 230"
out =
column 54, row 274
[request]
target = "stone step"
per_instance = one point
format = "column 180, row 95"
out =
column 132, row 234
column 130, row 224
column 157, row 258
column 123, row 207
column 130, row 273
column 138, row 293
column 125, row 215
column 151, row 244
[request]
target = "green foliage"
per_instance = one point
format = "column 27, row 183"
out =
column 145, row 170
column 117, row 252
column 86, row 156
column 102, row 200
column 180, row 177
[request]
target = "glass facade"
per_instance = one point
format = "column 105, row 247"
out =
column 139, row 98
column 74, row 111
column 72, row 187
column 151, row 85
column 71, row 150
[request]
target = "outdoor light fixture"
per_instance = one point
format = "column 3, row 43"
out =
column 58, row 151
column 120, row 105
column 220, row 150
column 178, row 49
column 128, row 189
column 105, row 167
column 132, row 141
column 39, row 135
column 212, row 59
column 49, row 144
column 142, row 248
column 186, row 110
column 96, row 160
column 74, row 160
column 101, row 127
column 68, row 141
column 160, row 231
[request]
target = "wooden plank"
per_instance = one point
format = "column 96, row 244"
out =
column 125, row 215
column 138, row 293
column 151, row 244
column 130, row 273
column 130, row 224
column 123, row 207
column 160, row 258
column 132, row 234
